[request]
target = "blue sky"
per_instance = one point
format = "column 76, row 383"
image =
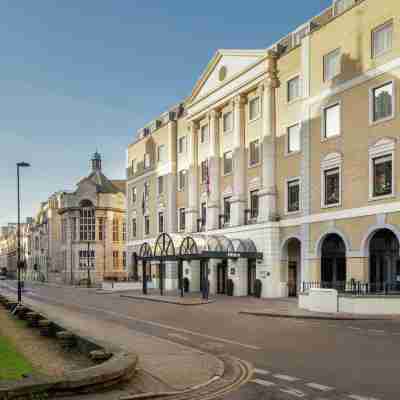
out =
column 79, row 75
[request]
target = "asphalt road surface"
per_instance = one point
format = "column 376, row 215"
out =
column 299, row 359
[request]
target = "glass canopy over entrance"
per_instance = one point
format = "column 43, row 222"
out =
column 179, row 248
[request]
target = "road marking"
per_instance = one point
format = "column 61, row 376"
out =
column 178, row 336
column 152, row 323
column 356, row 397
column 287, row 378
column 261, row 371
column 376, row 330
column 294, row 392
column 319, row 387
column 355, row 328
column 262, row 382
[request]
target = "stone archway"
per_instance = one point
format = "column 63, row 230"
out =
column 291, row 265
column 384, row 261
column 333, row 262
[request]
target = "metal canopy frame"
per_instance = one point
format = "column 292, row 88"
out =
column 191, row 248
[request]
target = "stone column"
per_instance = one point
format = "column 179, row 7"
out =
column 192, row 210
column 213, row 203
column 267, row 201
column 171, row 180
column 238, row 201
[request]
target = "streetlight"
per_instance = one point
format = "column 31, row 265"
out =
column 19, row 165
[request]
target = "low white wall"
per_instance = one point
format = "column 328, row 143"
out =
column 320, row 300
column 119, row 286
column 370, row 304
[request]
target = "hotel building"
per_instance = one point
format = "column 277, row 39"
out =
column 291, row 152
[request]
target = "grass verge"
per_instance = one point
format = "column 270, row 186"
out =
column 12, row 364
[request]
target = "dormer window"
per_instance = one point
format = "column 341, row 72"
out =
column 340, row 6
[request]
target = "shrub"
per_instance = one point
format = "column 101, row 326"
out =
column 230, row 287
column 257, row 288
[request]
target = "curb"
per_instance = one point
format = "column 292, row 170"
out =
column 312, row 317
column 178, row 303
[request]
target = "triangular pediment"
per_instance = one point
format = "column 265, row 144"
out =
column 223, row 67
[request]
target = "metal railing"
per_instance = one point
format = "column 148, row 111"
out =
column 355, row 287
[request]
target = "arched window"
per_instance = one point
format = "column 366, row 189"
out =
column 87, row 221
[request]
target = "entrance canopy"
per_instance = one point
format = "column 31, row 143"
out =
column 177, row 247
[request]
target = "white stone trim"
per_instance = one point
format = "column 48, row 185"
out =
column 319, row 242
column 324, row 107
column 364, row 248
column 331, row 161
column 371, row 103
column 383, row 147
column 251, row 98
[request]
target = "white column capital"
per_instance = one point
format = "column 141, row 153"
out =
column 239, row 100
column 214, row 114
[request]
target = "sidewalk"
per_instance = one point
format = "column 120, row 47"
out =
column 288, row 308
column 169, row 365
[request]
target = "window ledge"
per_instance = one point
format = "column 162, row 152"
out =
column 292, row 153
column 250, row 121
column 327, row 206
column 227, row 174
column 291, row 213
column 227, row 132
column 383, row 197
column 254, row 165
column 382, row 120
column 333, row 137
column 294, row 101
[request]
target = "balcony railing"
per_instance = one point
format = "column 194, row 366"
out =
column 356, row 288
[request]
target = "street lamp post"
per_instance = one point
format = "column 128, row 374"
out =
column 19, row 165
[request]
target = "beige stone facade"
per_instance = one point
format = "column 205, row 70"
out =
column 311, row 126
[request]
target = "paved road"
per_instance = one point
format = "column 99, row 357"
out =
column 354, row 360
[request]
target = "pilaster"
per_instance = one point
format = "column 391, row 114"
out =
column 192, row 210
column 268, row 193
column 171, row 179
column 238, row 201
column 213, row 203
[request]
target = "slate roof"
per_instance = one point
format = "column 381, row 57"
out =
column 105, row 185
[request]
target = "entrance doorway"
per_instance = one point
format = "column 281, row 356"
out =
column 203, row 274
column 222, row 277
column 333, row 262
column 384, row 261
column 292, row 278
column 251, row 277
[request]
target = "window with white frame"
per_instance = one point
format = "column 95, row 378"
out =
column 146, row 161
column 331, row 181
column 332, row 65
column 228, row 163
column 182, row 219
column 254, row 108
column 254, row 158
column 87, row 259
column 382, row 175
column 146, row 190
column 204, row 171
column 160, row 184
column 146, row 225
column 182, row 179
column 203, row 213
column 382, row 102
column 182, row 144
column 124, row 231
column 204, row 133
column 161, row 153
column 254, row 201
column 381, row 169
column 293, row 195
column 341, row 6
column 227, row 121
column 227, row 209
column 87, row 224
column 331, row 121
column 133, row 166
column 160, row 222
column 133, row 194
column 293, row 139
column 382, row 39
column 134, row 228
column 293, row 89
